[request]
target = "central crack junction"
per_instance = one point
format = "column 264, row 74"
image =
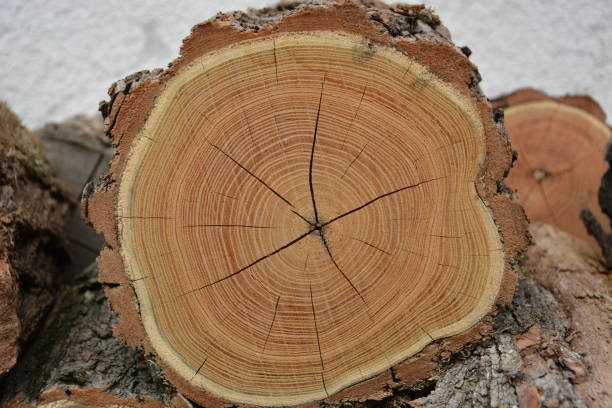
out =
column 318, row 227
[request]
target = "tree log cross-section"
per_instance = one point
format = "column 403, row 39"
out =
column 561, row 144
column 306, row 205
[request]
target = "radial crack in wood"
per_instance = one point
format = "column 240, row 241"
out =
column 291, row 297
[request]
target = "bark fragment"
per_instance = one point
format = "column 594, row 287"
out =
column 33, row 209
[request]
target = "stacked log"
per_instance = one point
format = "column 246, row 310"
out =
column 34, row 206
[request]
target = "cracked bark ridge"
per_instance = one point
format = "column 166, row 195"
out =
column 76, row 361
column 561, row 144
column 288, row 189
column 33, row 209
column 520, row 365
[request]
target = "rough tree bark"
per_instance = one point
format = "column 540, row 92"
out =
column 550, row 347
column 33, row 209
column 76, row 361
column 72, row 359
column 307, row 206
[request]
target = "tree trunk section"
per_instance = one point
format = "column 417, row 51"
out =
column 33, row 209
column 307, row 206
column 561, row 145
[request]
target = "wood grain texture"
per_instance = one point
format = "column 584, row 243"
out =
column 303, row 205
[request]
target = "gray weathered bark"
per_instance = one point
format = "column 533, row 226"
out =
column 76, row 357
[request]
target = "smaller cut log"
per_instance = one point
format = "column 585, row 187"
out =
column 33, row 209
column 561, row 145
column 75, row 361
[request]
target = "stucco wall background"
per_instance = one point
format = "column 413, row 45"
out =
column 57, row 58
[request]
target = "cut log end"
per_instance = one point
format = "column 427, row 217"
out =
column 291, row 217
column 561, row 144
column 301, row 211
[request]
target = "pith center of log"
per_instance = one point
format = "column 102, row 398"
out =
column 299, row 213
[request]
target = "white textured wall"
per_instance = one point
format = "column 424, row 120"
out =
column 57, row 58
